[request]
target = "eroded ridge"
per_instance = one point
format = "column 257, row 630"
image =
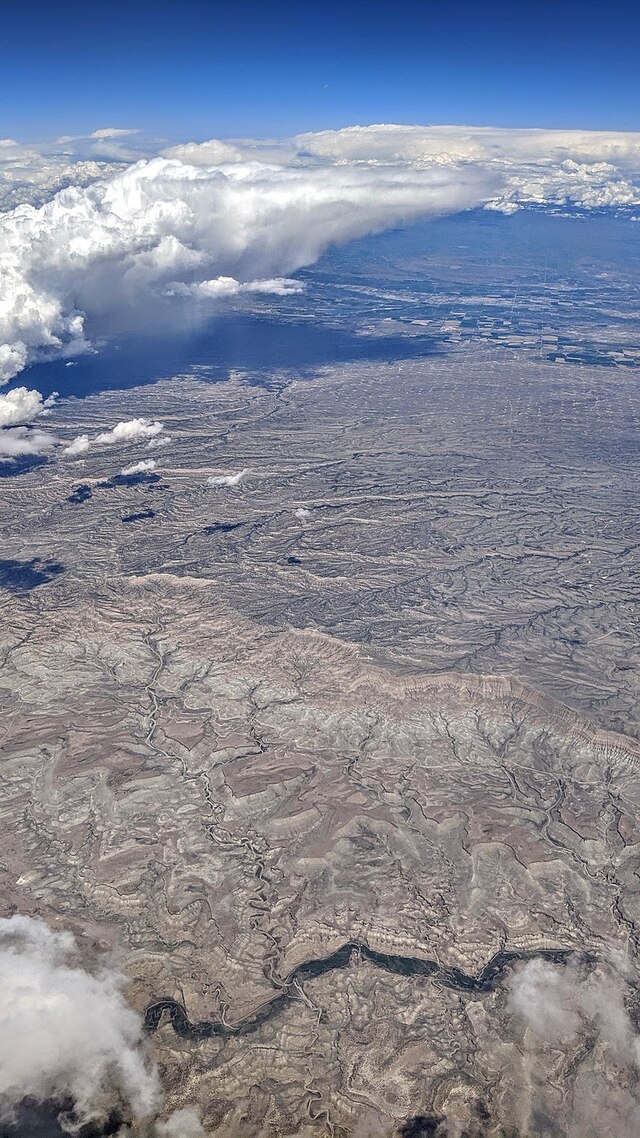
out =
column 379, row 694
column 272, row 822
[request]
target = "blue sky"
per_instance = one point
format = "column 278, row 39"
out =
column 196, row 70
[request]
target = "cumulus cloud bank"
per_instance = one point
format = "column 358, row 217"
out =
column 32, row 175
column 592, row 169
column 217, row 220
column 95, row 259
column 63, row 1031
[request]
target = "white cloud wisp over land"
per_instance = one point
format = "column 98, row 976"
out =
column 64, row 1031
column 129, row 430
column 68, row 1033
column 18, row 438
column 228, row 479
column 23, row 442
column 133, row 243
column 145, row 466
column 561, row 1006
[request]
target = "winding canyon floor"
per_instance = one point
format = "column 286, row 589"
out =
column 322, row 755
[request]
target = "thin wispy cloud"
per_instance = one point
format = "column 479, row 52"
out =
column 559, row 1008
column 228, row 479
column 20, row 442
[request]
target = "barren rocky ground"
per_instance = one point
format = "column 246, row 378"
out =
column 324, row 754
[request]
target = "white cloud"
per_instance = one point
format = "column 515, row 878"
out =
column 183, row 1123
column 143, row 467
column 217, row 219
column 591, row 169
column 555, row 1001
column 228, row 479
column 13, row 358
column 22, row 406
column 113, row 132
column 32, row 174
column 577, row 1016
column 222, row 288
column 63, row 1030
column 211, row 153
column 129, row 431
column 387, row 142
column 216, row 152
column 163, row 222
column 17, row 442
column 79, row 445
column 279, row 286
column 302, row 513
